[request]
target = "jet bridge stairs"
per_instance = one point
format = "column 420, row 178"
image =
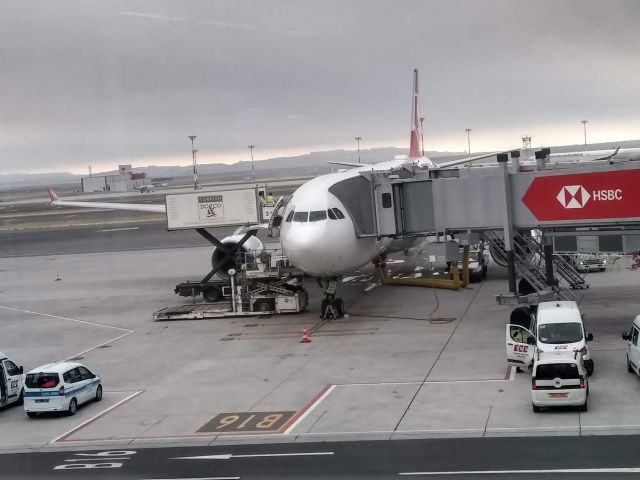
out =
column 530, row 266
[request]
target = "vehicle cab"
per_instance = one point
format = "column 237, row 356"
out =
column 11, row 381
column 633, row 346
column 556, row 327
column 559, row 379
column 60, row 387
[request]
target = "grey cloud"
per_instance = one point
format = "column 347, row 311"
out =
column 82, row 77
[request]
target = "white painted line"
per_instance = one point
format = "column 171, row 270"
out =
column 127, row 331
column 518, row 472
column 512, row 375
column 118, row 229
column 198, row 478
column 310, row 409
column 228, row 456
column 98, row 346
column 95, row 417
column 65, row 318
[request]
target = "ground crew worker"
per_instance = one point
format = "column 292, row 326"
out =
column 269, row 201
column 332, row 286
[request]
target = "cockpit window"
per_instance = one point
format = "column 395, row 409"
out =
column 300, row 217
column 338, row 213
column 290, row 216
column 332, row 215
column 317, row 215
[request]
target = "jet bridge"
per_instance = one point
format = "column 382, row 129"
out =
column 504, row 202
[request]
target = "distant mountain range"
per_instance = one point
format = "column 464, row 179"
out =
column 313, row 163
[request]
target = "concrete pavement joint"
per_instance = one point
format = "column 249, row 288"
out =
column 441, row 350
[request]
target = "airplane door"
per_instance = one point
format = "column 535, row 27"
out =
column 12, row 381
column 519, row 352
column 3, row 386
column 634, row 349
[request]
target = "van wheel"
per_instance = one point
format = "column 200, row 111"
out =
column 211, row 294
column 31, row 414
column 98, row 393
column 73, row 407
column 536, row 409
column 590, row 367
column 629, row 367
column 585, row 407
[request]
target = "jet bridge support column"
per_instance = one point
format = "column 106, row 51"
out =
column 547, row 245
column 508, row 222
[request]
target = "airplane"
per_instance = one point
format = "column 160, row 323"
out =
column 612, row 155
column 317, row 231
column 318, row 234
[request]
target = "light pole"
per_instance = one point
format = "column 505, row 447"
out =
column 468, row 130
column 195, row 167
column 422, row 134
column 584, row 126
column 253, row 175
column 358, row 140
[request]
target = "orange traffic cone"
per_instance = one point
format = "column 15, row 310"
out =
column 305, row 336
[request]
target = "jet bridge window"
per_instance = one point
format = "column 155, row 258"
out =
column 300, row 217
column 290, row 216
column 338, row 213
column 386, row 200
column 317, row 215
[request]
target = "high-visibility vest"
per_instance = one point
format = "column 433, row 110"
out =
column 331, row 287
column 269, row 201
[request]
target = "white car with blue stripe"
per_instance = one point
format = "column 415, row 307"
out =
column 60, row 387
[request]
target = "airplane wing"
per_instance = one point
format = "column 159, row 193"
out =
column 106, row 205
column 349, row 164
column 461, row 161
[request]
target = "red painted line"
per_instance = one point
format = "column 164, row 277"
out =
column 300, row 412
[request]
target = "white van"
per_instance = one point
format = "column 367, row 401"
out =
column 633, row 346
column 11, row 381
column 556, row 327
column 559, row 379
column 60, row 387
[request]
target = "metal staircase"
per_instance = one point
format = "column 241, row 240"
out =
column 530, row 265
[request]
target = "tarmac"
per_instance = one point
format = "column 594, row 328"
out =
column 406, row 363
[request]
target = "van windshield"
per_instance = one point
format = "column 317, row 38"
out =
column 42, row 380
column 557, row 333
column 549, row 371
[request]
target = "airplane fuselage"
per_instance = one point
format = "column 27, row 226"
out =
column 314, row 236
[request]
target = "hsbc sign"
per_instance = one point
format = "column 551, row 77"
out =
column 585, row 196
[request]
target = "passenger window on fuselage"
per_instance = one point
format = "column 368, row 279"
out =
column 386, row 200
column 290, row 216
column 338, row 213
column 300, row 217
column 634, row 336
column 317, row 215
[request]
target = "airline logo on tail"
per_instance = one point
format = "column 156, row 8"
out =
column 414, row 140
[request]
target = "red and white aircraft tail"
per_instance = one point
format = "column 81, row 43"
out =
column 415, row 148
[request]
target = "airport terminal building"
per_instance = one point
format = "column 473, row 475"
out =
column 124, row 181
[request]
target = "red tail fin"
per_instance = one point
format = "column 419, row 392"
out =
column 415, row 150
column 52, row 194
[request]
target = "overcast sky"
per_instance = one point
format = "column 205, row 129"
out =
column 106, row 82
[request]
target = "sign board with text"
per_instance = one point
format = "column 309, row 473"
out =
column 203, row 209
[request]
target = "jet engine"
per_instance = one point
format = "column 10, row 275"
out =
column 252, row 246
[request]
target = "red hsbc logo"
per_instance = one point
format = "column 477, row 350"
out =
column 584, row 196
column 573, row 196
